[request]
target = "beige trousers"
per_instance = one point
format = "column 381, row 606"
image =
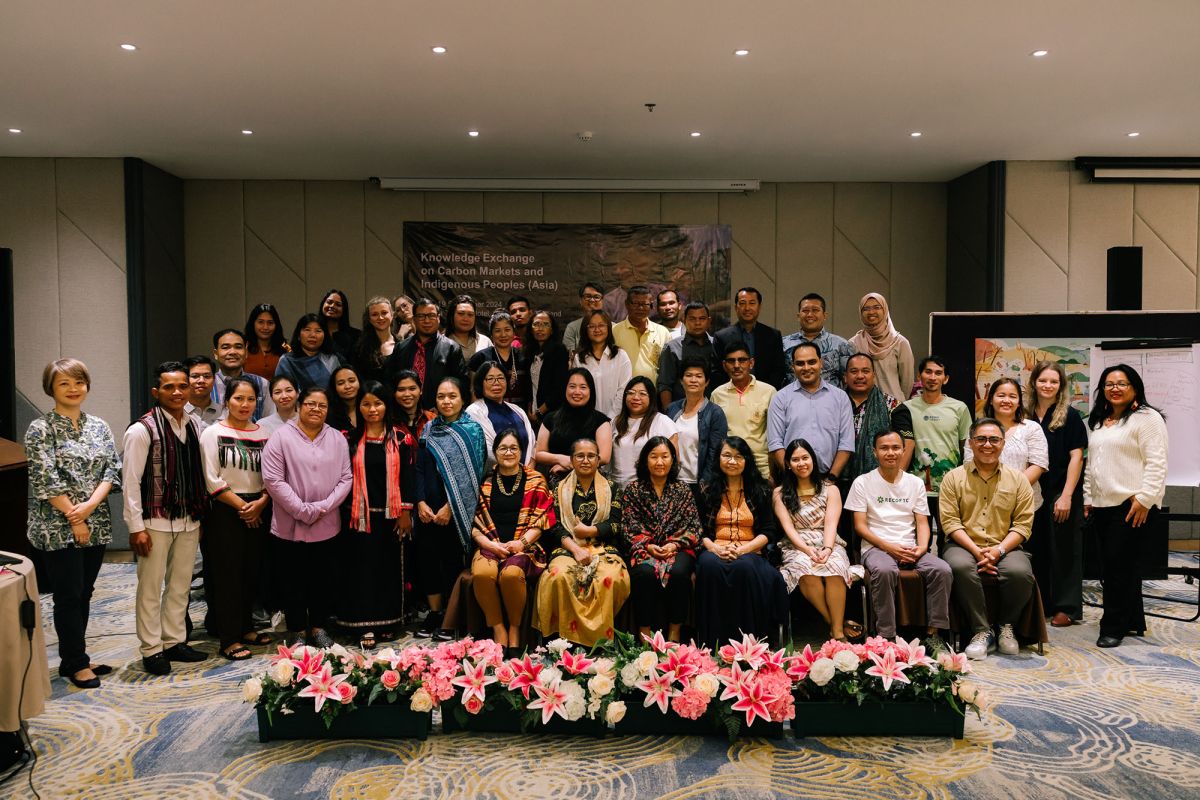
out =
column 161, row 609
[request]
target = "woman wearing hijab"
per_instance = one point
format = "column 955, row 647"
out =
column 895, row 368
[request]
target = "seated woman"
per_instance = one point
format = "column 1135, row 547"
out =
column 661, row 528
column 575, row 419
column 548, row 362
column 448, row 471
column 494, row 413
column 380, row 518
column 586, row 583
column 515, row 506
column 702, row 427
column 507, row 358
column 343, row 395
column 311, row 360
column 808, row 506
column 234, row 531
column 638, row 422
column 737, row 590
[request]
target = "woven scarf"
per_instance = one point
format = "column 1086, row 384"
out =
column 173, row 478
column 875, row 417
column 457, row 449
column 360, row 514
column 566, row 493
column 880, row 339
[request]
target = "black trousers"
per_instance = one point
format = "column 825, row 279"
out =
column 438, row 557
column 307, row 576
column 1056, row 549
column 73, row 572
column 655, row 606
column 1119, row 548
column 232, row 565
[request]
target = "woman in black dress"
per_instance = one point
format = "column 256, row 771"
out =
column 575, row 419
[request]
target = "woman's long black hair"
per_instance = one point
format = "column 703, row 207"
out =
column 789, row 490
column 1101, row 408
column 251, row 335
column 754, row 486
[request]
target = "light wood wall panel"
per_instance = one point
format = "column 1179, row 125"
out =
column 334, row 236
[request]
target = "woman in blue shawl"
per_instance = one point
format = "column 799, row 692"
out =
column 449, row 468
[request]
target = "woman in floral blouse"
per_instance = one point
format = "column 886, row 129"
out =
column 662, row 528
column 73, row 465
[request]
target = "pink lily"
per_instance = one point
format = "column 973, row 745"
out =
column 310, row 662
column 658, row 643
column 750, row 650
column 658, row 690
column 550, row 699
column 525, row 674
column 735, row 682
column 775, row 659
column 680, row 663
column 575, row 664
column 285, row 654
column 473, row 680
column 888, row 669
column 322, row 686
column 801, row 663
column 753, row 700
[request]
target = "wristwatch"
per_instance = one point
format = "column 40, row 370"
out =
column 1000, row 547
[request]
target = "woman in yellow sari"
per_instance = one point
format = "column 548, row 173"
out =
column 586, row 582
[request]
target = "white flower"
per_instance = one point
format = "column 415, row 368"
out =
column 845, row 661
column 574, row 708
column 600, row 685
column 615, row 713
column 386, row 654
column 593, row 707
column 968, row 692
column 558, row 646
column 572, row 689
column 646, row 662
column 549, row 676
column 707, row 682
column 251, row 690
column 338, row 651
column 630, row 674
column 282, row 672
column 821, row 672
column 421, row 701
column 604, row 666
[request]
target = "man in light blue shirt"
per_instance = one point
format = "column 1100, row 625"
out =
column 834, row 349
column 809, row 408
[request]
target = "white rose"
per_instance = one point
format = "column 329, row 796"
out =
column 549, row 676
column 604, row 666
column 845, row 661
column 386, row 654
column 646, row 662
column 282, row 672
column 707, row 683
column 421, row 701
column 251, row 690
column 968, row 692
column 630, row 674
column 574, row 708
column 822, row 671
column 615, row 713
column 558, row 646
column 600, row 685
column 339, row 651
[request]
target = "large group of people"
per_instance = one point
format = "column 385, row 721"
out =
column 350, row 476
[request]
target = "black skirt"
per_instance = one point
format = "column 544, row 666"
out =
column 371, row 596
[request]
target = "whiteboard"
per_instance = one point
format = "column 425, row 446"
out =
column 1172, row 377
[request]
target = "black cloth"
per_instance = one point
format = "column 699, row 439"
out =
column 1056, row 550
column 746, row 595
column 304, row 580
column 583, row 505
column 1071, row 436
column 371, row 596
column 567, row 426
column 427, row 481
column 72, row 573
column 506, row 507
column 344, row 340
column 375, row 466
column 1119, row 541
column 443, row 359
column 516, row 369
column 684, row 348
column 552, row 382
column 233, row 555
column 655, row 606
column 769, row 363
column 437, row 552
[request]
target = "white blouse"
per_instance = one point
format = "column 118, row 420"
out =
column 627, row 448
column 233, row 458
column 1127, row 459
column 611, row 374
column 1024, row 446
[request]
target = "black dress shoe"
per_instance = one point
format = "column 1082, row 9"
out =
column 80, row 683
column 1108, row 641
column 102, row 669
column 183, row 652
column 156, row 664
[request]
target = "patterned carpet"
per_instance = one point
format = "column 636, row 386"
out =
column 1077, row 723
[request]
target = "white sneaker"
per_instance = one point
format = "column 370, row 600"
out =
column 981, row 642
column 1008, row 641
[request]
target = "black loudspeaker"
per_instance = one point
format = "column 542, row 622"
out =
column 8, row 352
column 1124, row 279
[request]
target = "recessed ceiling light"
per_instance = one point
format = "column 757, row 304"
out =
column 129, row 47
column 472, row 133
column 14, row 130
column 915, row 134
column 742, row 52
column 1040, row 53
column 695, row 134
column 1133, row 134
column 439, row 49
column 247, row 132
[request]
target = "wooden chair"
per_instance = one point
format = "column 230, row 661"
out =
column 465, row 617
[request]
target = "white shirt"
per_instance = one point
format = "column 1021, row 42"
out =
column 135, row 448
column 627, row 448
column 1024, row 446
column 689, row 447
column 611, row 374
column 273, row 423
column 889, row 506
column 233, row 476
column 1128, row 459
column 478, row 412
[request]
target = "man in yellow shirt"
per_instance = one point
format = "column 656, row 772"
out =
column 987, row 513
column 745, row 400
column 642, row 340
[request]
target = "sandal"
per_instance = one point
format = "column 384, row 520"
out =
column 238, row 653
column 367, row 641
column 256, row 639
column 852, row 629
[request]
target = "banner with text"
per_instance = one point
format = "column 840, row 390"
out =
column 549, row 263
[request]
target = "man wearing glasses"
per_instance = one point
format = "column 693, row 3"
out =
column 642, row 340
column 987, row 513
column 591, row 298
column 745, row 401
column 764, row 343
column 427, row 352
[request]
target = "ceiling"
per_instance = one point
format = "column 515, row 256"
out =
column 831, row 90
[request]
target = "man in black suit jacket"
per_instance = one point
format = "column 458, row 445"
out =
column 765, row 341
column 443, row 356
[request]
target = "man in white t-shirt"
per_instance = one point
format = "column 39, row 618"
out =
column 891, row 516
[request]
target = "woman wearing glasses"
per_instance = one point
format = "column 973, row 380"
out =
column 737, row 590
column 1122, row 489
column 506, row 357
column 610, row 366
column 889, row 350
column 494, row 413
column 515, row 506
column 637, row 423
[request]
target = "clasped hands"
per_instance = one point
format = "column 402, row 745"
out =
column 662, row 551
column 986, row 560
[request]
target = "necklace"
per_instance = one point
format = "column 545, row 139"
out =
column 516, row 479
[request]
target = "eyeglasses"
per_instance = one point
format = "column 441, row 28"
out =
column 426, row 315
column 872, row 308
column 638, row 393
column 493, row 379
column 508, row 448
column 992, row 440
column 737, row 361
column 541, row 325
column 592, row 298
column 586, row 456
column 732, row 457
column 315, row 406
column 1122, row 385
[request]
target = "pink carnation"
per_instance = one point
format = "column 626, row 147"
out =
column 486, row 651
column 690, row 703
column 778, row 686
column 390, row 679
column 439, row 687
